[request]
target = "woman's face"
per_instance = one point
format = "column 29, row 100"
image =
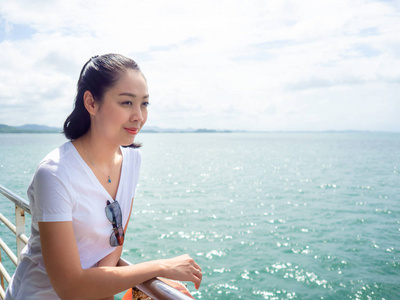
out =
column 123, row 110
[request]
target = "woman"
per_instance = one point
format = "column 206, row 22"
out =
column 82, row 193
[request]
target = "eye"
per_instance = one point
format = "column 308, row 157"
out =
column 127, row 103
column 145, row 104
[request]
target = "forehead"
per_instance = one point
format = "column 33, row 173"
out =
column 131, row 81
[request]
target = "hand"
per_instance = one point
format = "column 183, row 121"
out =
column 182, row 268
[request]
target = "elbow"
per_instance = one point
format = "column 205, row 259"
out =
column 66, row 293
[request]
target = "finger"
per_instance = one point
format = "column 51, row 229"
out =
column 196, row 270
column 198, row 276
column 196, row 266
column 198, row 273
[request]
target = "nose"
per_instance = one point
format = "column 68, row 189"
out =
column 136, row 115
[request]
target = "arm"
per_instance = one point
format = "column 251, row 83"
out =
column 70, row 281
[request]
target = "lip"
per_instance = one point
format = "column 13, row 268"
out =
column 132, row 130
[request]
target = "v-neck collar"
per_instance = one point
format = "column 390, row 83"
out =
column 93, row 177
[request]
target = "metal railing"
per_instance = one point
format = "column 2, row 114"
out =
column 154, row 288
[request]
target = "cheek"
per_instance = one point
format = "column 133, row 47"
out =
column 144, row 114
column 118, row 115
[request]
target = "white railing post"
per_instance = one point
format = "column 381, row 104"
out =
column 20, row 229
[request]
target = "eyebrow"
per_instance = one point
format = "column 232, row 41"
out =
column 133, row 95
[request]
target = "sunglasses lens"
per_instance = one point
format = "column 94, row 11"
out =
column 113, row 212
column 114, row 215
column 117, row 237
column 109, row 214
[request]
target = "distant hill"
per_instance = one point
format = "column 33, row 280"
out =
column 165, row 130
column 8, row 129
column 38, row 127
column 156, row 129
column 29, row 128
column 34, row 128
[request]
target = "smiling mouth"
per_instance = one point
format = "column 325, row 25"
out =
column 132, row 130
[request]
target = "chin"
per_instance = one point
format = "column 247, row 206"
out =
column 128, row 142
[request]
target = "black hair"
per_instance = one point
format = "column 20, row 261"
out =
column 98, row 75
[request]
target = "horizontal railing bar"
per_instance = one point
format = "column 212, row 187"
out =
column 15, row 198
column 2, row 293
column 156, row 289
column 8, row 223
column 23, row 238
column 4, row 272
column 159, row 290
column 13, row 228
column 8, row 251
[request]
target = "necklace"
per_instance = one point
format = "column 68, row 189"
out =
column 109, row 176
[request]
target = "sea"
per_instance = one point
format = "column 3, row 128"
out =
column 278, row 215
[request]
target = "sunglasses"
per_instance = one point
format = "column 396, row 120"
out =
column 114, row 215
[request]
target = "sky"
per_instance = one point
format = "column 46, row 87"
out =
column 272, row 65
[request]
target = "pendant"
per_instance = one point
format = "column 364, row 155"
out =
column 109, row 179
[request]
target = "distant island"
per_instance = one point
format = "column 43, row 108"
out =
column 34, row 128
column 29, row 128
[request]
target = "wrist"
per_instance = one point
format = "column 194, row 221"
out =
column 161, row 267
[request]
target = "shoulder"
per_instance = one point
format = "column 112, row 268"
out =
column 132, row 160
column 51, row 183
column 131, row 153
column 56, row 161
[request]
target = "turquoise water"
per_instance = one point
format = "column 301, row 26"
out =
column 266, row 215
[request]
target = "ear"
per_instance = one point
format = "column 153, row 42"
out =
column 90, row 103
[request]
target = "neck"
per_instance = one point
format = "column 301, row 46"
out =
column 102, row 152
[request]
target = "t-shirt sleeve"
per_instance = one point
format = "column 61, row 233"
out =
column 50, row 199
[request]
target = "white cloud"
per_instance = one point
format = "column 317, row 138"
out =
column 276, row 65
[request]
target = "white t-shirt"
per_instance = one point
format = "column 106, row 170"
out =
column 64, row 188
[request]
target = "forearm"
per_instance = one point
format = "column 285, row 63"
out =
column 101, row 282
